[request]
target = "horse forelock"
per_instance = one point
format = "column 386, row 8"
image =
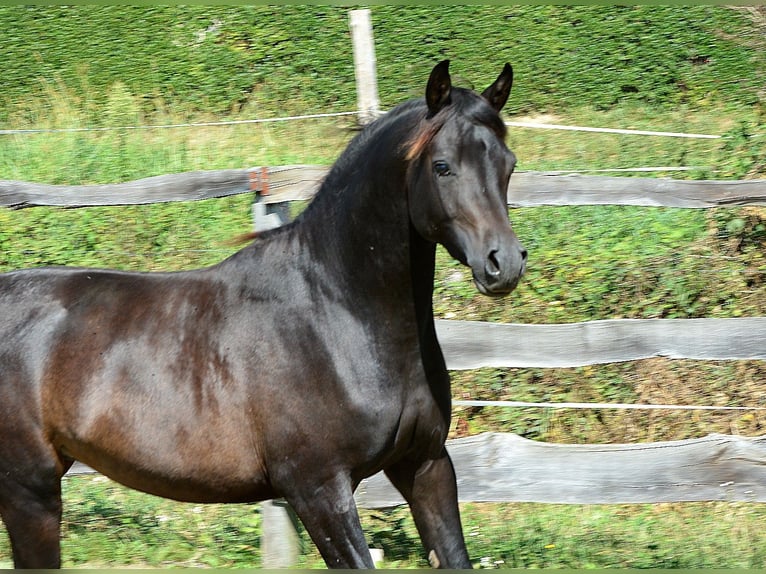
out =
column 465, row 103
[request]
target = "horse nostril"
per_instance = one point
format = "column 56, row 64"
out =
column 493, row 268
column 523, row 254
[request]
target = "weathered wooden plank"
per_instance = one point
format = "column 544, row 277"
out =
column 499, row 467
column 173, row 187
column 476, row 344
column 79, row 468
column 300, row 182
column 529, row 189
column 502, row 467
column 286, row 183
column 294, row 182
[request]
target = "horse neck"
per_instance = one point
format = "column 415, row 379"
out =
column 358, row 226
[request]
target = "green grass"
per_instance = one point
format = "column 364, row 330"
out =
column 108, row 526
column 561, row 150
column 227, row 58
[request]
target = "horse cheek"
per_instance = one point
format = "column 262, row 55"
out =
column 424, row 216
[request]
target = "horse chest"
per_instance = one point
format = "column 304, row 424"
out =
column 344, row 391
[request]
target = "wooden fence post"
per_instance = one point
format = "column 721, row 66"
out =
column 360, row 24
column 279, row 535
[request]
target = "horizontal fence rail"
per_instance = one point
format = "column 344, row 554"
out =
column 300, row 182
column 476, row 344
column 285, row 183
column 530, row 189
column 504, row 467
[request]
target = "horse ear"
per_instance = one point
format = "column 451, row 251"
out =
column 497, row 93
column 438, row 88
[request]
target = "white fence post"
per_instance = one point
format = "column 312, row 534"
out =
column 360, row 24
column 279, row 537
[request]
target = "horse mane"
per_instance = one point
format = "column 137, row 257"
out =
column 464, row 102
column 414, row 142
column 423, row 136
column 242, row 238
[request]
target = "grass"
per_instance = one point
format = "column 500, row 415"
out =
column 561, row 150
column 108, row 526
column 585, row 263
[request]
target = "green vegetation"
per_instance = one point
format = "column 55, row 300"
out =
column 691, row 69
column 107, row 526
column 224, row 59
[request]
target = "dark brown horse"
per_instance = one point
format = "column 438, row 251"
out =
column 297, row 367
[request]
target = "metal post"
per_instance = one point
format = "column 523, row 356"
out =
column 266, row 216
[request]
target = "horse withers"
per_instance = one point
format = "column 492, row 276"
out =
column 295, row 368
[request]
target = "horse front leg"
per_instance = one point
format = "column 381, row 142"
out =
column 328, row 511
column 32, row 520
column 430, row 489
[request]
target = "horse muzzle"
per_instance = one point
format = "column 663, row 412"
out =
column 499, row 271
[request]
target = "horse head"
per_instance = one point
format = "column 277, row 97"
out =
column 458, row 179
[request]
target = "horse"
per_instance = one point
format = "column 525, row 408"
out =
column 300, row 365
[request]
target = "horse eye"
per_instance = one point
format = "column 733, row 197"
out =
column 441, row 168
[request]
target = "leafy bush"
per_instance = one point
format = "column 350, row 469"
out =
column 298, row 58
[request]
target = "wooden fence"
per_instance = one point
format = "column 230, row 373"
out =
column 299, row 182
column 496, row 467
